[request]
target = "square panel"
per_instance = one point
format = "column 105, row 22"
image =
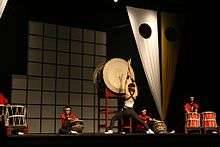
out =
column 100, row 37
column 76, row 34
column 49, row 70
column 35, row 55
column 76, row 59
column 63, row 45
column 50, row 43
column 48, row 98
column 99, row 60
column 59, row 110
column 75, row 72
column 62, row 85
column 76, row 46
column 88, row 99
column 88, row 73
column 33, row 111
column 35, row 28
column 33, row 125
column 75, row 99
column 49, row 57
column 50, row 30
column 75, row 85
column 34, row 68
column 63, row 58
column 88, row 48
column 63, row 32
column 100, row 50
column 88, row 35
column 89, row 126
column 35, row 42
column 88, row 60
column 77, row 110
column 34, row 83
column 63, row 71
column 48, row 126
column 88, row 112
column 48, row 111
column 18, row 97
column 88, row 87
column 19, row 82
column 58, row 125
column 62, row 98
column 49, row 83
column 34, row 97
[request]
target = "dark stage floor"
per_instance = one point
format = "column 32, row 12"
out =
column 101, row 139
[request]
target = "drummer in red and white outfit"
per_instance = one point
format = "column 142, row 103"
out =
column 146, row 118
column 67, row 118
column 191, row 106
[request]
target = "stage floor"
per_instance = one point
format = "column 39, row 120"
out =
column 100, row 139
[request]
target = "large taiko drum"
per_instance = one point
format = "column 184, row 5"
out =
column 209, row 119
column 159, row 127
column 112, row 74
column 192, row 120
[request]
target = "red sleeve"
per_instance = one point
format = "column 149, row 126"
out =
column 63, row 119
column 3, row 100
column 186, row 107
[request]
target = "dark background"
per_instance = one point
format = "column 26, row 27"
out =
column 197, row 71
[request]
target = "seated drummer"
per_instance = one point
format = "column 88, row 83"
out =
column 145, row 116
column 191, row 106
column 67, row 119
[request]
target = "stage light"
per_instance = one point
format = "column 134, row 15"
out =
column 115, row 1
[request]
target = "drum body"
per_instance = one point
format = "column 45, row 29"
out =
column 192, row 120
column 159, row 127
column 15, row 115
column 77, row 126
column 209, row 119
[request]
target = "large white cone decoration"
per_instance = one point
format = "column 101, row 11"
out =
column 2, row 6
column 145, row 30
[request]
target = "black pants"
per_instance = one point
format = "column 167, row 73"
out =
column 127, row 112
column 67, row 129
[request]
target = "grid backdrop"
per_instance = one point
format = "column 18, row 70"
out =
column 60, row 64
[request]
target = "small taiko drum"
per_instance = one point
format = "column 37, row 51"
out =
column 77, row 126
column 209, row 119
column 159, row 127
column 15, row 115
column 192, row 120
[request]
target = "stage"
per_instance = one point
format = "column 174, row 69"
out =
column 101, row 139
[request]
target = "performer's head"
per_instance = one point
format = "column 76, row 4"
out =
column 191, row 99
column 67, row 109
column 144, row 111
column 131, row 88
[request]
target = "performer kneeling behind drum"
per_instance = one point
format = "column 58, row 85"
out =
column 70, row 122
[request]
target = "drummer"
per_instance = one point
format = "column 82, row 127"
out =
column 67, row 119
column 145, row 116
column 191, row 106
column 130, row 96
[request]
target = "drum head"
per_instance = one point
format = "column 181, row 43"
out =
column 115, row 74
